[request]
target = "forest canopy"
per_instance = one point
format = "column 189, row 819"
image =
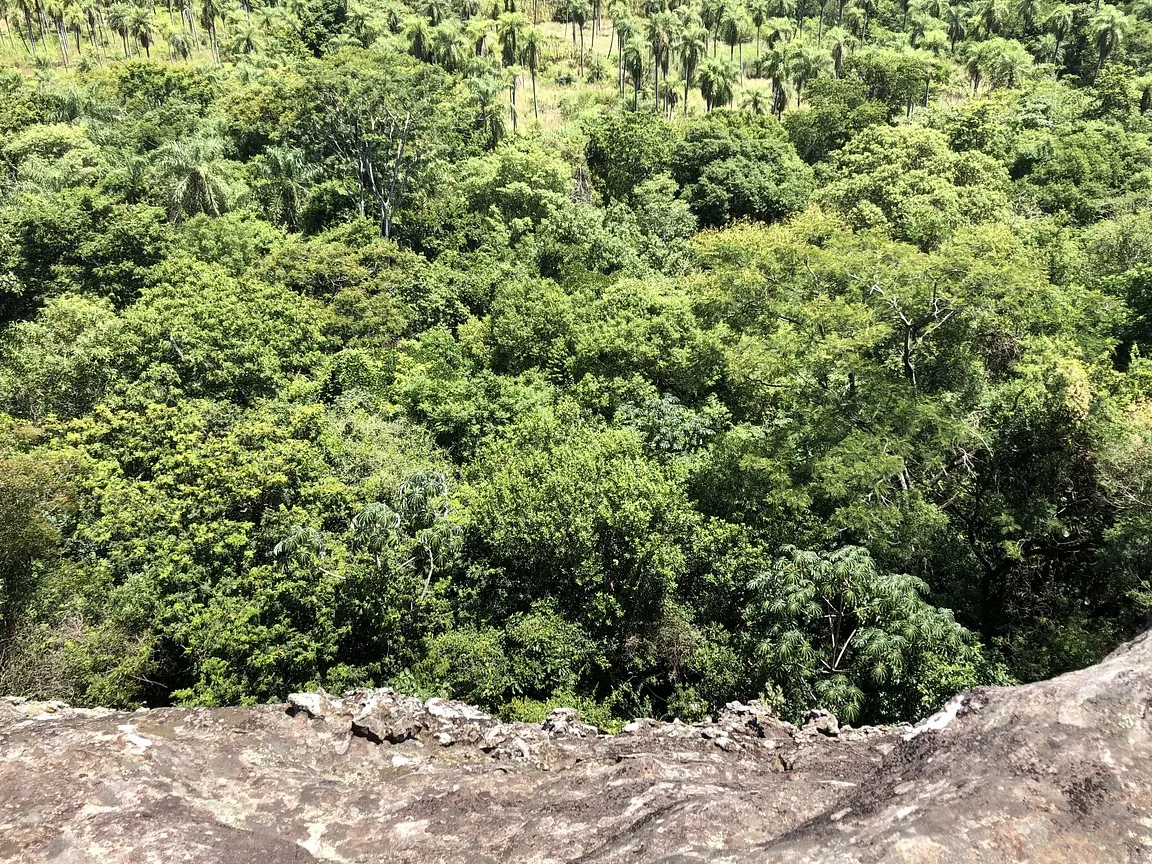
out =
column 635, row 357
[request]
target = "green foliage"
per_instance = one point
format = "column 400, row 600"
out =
column 77, row 240
column 36, row 495
column 613, row 558
column 1079, row 169
column 625, row 149
column 735, row 166
column 826, row 627
column 199, row 332
column 838, row 109
column 60, row 363
column 326, row 362
column 519, row 182
column 907, row 182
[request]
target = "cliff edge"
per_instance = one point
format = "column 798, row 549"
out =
column 1055, row 771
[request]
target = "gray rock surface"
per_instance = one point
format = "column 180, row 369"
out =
column 1057, row 771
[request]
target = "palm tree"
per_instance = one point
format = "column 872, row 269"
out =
column 577, row 12
column 358, row 20
column 188, row 17
column 616, row 12
column 778, row 28
column 693, row 47
column 988, row 15
column 210, row 10
column 717, row 80
column 96, row 25
column 1006, row 62
column 920, row 25
column 8, row 10
column 54, row 11
column 820, row 22
column 531, row 44
column 662, row 27
column 488, row 99
column 977, row 57
column 449, row 47
column 743, row 37
column 867, row 11
column 1027, row 10
column 142, row 28
column 711, row 14
column 758, row 12
column 476, row 32
column 511, row 75
column 27, row 7
column 191, row 174
column 5, row 11
column 1107, row 28
column 626, row 27
column 633, row 64
column 394, row 16
column 509, row 26
column 856, row 17
column 419, row 35
column 75, row 19
column 179, row 45
column 245, row 37
column 775, row 66
column 433, row 10
column 288, row 176
column 1058, row 22
column 120, row 20
column 807, row 61
column 267, row 17
column 956, row 17
column 800, row 10
column 839, row 39
column 757, row 100
column 730, row 27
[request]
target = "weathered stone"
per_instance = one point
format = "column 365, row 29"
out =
column 1058, row 771
column 566, row 721
column 822, row 721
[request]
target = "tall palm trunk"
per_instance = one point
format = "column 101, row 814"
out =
column 62, row 35
column 45, row 26
column 620, row 64
column 655, row 83
column 31, row 31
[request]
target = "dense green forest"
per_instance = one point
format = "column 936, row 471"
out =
column 636, row 358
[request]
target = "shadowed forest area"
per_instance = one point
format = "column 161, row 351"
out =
column 635, row 358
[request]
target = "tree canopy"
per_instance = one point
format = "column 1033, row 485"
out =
column 637, row 358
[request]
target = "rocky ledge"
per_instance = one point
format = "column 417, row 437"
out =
column 1057, row 772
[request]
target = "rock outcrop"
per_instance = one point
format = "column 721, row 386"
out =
column 1056, row 771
